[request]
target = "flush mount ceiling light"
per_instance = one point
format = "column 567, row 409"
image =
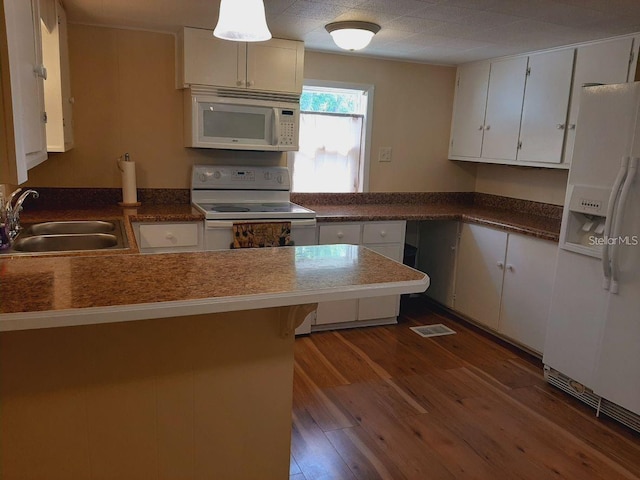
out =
column 352, row 35
column 242, row 21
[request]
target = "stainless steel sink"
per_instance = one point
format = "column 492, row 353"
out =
column 71, row 227
column 69, row 236
column 65, row 242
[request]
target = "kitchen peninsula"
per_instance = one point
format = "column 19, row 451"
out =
column 172, row 365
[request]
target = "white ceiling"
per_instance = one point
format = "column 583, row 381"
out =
column 431, row 31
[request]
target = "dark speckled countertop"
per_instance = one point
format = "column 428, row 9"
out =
column 529, row 218
column 72, row 289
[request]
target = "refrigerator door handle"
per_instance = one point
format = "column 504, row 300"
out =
column 617, row 228
column 606, row 264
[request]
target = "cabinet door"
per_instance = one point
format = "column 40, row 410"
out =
column 437, row 258
column 528, row 285
column 479, row 275
column 276, row 65
column 546, row 100
column 23, row 57
column 57, row 86
column 211, row 61
column 606, row 62
column 468, row 114
column 340, row 311
column 387, row 306
column 504, row 108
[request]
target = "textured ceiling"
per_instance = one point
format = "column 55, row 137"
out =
column 431, row 31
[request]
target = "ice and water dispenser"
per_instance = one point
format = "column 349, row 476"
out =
column 585, row 223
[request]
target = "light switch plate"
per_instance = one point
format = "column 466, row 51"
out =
column 384, row 154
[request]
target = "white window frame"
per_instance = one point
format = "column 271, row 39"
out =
column 368, row 121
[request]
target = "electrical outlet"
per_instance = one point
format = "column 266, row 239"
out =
column 385, row 154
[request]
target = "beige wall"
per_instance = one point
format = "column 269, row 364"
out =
column 411, row 114
column 537, row 184
column 123, row 83
column 126, row 101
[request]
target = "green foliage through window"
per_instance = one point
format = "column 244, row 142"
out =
column 335, row 101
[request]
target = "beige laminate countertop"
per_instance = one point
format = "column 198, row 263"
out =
column 529, row 224
column 96, row 287
column 41, row 292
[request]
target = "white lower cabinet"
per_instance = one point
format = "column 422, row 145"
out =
column 504, row 281
column 165, row 237
column 386, row 238
column 479, row 274
column 527, row 290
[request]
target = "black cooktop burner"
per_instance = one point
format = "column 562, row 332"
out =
column 228, row 208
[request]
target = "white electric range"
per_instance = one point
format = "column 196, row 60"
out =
column 229, row 195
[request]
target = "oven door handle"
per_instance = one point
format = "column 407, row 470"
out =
column 229, row 223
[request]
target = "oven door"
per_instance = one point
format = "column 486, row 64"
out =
column 218, row 234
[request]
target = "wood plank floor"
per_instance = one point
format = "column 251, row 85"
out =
column 385, row 403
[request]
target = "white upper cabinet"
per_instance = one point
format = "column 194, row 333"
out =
column 468, row 115
column 25, row 145
column 606, row 62
column 530, row 118
column 274, row 66
column 504, row 108
column 57, row 87
column 544, row 113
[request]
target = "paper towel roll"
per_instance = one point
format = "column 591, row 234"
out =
column 129, row 193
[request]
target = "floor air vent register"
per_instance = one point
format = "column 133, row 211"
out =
column 436, row 330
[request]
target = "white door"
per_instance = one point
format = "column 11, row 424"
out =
column 27, row 88
column 479, row 276
column 468, row 114
column 276, row 65
column 617, row 375
column 387, row 306
column 607, row 124
column 211, row 61
column 606, row 62
column 575, row 317
column 546, row 100
column 339, row 311
column 504, row 108
column 528, row 285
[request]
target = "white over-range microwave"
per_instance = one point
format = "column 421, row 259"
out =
column 241, row 122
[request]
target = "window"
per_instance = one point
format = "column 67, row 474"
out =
column 333, row 154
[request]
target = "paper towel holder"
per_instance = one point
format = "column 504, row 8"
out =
column 133, row 194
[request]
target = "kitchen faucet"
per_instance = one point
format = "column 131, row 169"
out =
column 12, row 210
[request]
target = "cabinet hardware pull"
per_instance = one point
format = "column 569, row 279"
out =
column 560, row 126
column 500, row 265
column 572, row 126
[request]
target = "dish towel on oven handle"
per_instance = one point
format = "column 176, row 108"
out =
column 261, row 234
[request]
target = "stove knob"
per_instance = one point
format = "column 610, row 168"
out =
column 202, row 177
column 217, row 174
column 267, row 175
column 279, row 179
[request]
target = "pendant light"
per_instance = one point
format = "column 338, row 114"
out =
column 242, row 21
column 352, row 35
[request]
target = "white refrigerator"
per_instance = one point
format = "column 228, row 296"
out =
column 592, row 347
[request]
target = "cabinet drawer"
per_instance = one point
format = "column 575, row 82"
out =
column 341, row 233
column 383, row 232
column 169, row 235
